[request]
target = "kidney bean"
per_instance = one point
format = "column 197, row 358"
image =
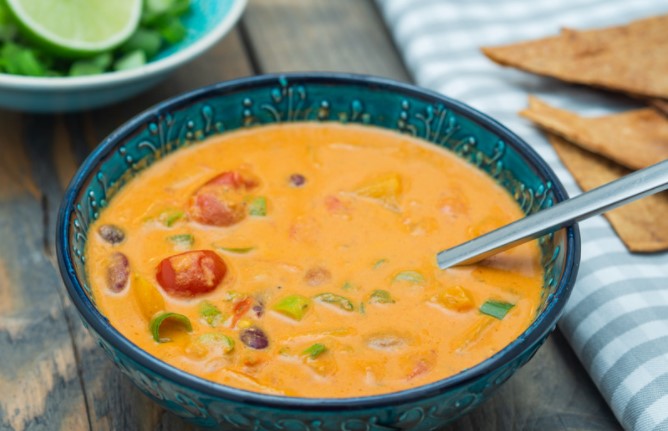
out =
column 255, row 338
column 111, row 233
column 118, row 272
column 297, row 180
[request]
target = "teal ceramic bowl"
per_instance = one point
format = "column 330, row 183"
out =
column 207, row 22
column 187, row 120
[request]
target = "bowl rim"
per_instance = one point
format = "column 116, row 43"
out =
column 110, row 79
column 534, row 334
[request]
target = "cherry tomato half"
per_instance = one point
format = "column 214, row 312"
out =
column 191, row 273
column 221, row 201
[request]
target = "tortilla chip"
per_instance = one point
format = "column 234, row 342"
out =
column 635, row 139
column 642, row 225
column 631, row 58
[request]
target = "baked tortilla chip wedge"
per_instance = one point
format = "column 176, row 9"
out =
column 642, row 225
column 635, row 139
column 632, row 58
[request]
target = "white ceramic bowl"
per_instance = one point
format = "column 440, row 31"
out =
column 207, row 23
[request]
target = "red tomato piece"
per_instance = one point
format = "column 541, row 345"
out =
column 235, row 180
column 191, row 273
column 221, row 201
column 240, row 309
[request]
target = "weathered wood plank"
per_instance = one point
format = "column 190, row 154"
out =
column 301, row 35
column 39, row 383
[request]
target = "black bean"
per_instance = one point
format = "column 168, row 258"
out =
column 110, row 233
column 297, row 180
column 254, row 338
column 118, row 272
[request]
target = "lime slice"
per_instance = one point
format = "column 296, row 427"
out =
column 77, row 27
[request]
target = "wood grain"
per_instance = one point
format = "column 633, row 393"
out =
column 323, row 35
column 54, row 377
column 39, row 381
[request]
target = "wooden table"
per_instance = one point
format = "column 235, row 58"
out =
column 54, row 377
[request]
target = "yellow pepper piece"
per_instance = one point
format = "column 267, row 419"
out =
column 386, row 189
column 455, row 298
column 148, row 297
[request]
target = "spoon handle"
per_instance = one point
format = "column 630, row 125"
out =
column 634, row 186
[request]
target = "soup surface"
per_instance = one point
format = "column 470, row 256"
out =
column 299, row 259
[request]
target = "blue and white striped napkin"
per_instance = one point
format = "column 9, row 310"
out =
column 617, row 317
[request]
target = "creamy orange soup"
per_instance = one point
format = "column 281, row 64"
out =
column 299, row 259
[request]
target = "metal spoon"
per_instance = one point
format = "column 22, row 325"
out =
column 634, row 186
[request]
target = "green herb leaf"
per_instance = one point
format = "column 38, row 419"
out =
column 340, row 301
column 258, row 206
column 19, row 60
column 315, row 350
column 381, row 297
column 293, row 306
column 145, row 40
column 173, row 30
column 131, row 60
column 496, row 309
column 157, row 321
column 412, row 276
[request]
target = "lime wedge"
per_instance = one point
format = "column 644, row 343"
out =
column 76, row 28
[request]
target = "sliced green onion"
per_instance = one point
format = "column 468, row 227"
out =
column 379, row 263
column 232, row 295
column 258, row 206
column 496, row 309
column 412, row 276
column 157, row 321
column 381, row 297
column 184, row 240
column 170, row 217
column 210, row 313
column 347, row 286
column 362, row 308
column 237, row 250
column 315, row 350
column 216, row 339
column 340, row 301
column 293, row 306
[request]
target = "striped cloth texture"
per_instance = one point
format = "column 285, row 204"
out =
column 617, row 318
